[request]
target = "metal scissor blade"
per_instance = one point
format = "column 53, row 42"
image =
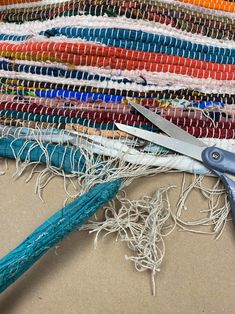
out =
column 166, row 126
column 176, row 145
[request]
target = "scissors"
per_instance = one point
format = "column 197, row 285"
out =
column 221, row 162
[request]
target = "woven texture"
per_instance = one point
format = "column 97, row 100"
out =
column 68, row 70
column 81, row 61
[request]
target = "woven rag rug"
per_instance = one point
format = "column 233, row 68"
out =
column 68, row 70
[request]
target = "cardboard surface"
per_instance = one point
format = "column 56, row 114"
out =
column 197, row 275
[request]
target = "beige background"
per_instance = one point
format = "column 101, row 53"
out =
column 197, row 275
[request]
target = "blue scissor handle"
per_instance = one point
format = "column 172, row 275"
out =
column 222, row 163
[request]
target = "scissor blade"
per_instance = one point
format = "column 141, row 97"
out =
column 166, row 126
column 179, row 146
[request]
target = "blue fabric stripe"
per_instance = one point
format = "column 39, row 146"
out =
column 142, row 41
column 78, row 95
column 58, row 72
column 14, row 37
column 139, row 40
column 66, row 94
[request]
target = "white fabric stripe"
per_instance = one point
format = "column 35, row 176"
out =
column 132, row 74
column 164, row 81
column 174, row 161
column 117, row 148
column 33, row 28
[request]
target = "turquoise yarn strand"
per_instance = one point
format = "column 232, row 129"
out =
column 65, row 221
column 52, row 231
column 66, row 158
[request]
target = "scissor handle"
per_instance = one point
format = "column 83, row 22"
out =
column 222, row 163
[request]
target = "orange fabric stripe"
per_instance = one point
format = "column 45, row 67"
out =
column 213, row 4
column 74, row 52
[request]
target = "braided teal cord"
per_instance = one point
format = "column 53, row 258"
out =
column 66, row 158
column 53, row 230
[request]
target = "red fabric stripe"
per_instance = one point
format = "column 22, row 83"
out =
column 196, row 127
column 95, row 55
